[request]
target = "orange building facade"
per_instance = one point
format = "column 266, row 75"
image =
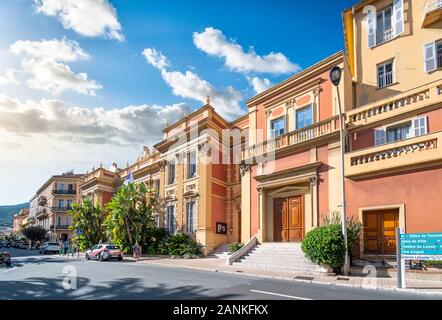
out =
column 274, row 174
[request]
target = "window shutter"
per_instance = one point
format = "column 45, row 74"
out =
column 380, row 136
column 371, row 25
column 398, row 17
column 420, row 126
column 430, row 56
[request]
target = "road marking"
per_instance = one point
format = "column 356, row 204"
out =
column 9, row 270
column 279, row 295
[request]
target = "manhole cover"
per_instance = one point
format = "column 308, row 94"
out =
column 304, row 278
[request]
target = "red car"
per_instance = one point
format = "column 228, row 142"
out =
column 104, row 251
column 5, row 258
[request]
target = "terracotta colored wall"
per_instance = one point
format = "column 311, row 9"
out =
column 365, row 138
column 292, row 161
column 218, row 189
column 419, row 191
column 323, row 207
column 107, row 197
column 218, row 211
column 362, row 139
column 325, row 99
column 434, row 120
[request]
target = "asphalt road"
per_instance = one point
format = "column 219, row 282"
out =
column 34, row 276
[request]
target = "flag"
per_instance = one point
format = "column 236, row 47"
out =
column 129, row 178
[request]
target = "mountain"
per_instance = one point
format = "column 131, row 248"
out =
column 7, row 212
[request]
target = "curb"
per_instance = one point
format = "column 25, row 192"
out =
column 377, row 288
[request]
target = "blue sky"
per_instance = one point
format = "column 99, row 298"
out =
column 300, row 32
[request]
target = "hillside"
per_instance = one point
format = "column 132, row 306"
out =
column 7, row 212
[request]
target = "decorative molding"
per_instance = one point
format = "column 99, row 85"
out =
column 313, row 181
column 203, row 148
column 244, row 168
column 290, row 103
column 162, row 164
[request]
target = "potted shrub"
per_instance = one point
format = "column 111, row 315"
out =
column 325, row 246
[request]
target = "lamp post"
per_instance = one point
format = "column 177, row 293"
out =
column 335, row 78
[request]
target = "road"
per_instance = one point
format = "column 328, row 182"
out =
column 34, row 276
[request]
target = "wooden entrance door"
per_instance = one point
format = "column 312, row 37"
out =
column 288, row 219
column 380, row 232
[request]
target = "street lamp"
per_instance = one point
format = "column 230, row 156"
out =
column 335, row 78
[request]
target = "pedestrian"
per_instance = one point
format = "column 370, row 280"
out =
column 66, row 247
column 60, row 247
column 135, row 251
column 139, row 251
column 72, row 249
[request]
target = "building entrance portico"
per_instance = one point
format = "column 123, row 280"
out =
column 287, row 204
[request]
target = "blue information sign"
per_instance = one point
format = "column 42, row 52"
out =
column 421, row 246
column 79, row 231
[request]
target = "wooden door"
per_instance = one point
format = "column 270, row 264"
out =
column 380, row 232
column 289, row 219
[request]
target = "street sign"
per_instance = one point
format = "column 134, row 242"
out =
column 79, row 231
column 421, row 246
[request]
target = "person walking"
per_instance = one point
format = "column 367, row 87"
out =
column 72, row 249
column 135, row 250
column 66, row 247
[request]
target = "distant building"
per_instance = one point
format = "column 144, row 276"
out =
column 50, row 205
column 20, row 220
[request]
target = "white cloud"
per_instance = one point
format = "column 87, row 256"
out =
column 214, row 43
column 226, row 101
column 47, row 137
column 59, row 50
column 9, row 77
column 128, row 125
column 260, row 84
column 42, row 60
column 155, row 58
column 91, row 18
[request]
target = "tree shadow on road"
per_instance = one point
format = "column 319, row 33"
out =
column 120, row 289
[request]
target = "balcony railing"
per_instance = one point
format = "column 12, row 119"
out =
column 69, row 191
column 60, row 209
column 432, row 12
column 407, row 153
column 392, row 106
column 385, row 79
column 292, row 138
column 60, row 227
column 41, row 211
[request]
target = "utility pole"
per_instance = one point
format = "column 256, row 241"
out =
column 335, row 77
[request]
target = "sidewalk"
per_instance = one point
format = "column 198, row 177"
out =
column 356, row 281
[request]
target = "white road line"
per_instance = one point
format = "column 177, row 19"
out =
column 279, row 295
column 9, row 270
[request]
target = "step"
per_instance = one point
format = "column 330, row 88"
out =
column 279, row 268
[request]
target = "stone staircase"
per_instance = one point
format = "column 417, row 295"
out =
column 275, row 256
column 221, row 252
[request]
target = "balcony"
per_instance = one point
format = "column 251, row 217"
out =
column 60, row 209
column 432, row 12
column 407, row 101
column 294, row 138
column 41, row 212
column 406, row 154
column 69, row 191
column 59, row 227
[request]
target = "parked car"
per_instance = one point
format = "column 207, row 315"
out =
column 5, row 244
column 49, row 247
column 5, row 258
column 104, row 251
column 23, row 245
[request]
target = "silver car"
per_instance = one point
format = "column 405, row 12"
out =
column 49, row 247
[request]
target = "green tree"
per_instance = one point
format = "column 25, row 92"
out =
column 131, row 213
column 34, row 233
column 90, row 220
